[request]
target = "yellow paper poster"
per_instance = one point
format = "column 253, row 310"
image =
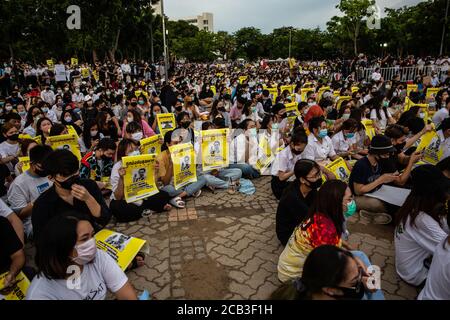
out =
column 219, row 74
column 432, row 154
column 242, row 79
column 370, row 129
column 85, row 73
column 166, row 122
column 73, row 61
column 214, row 149
column 139, row 180
column 273, row 92
column 213, row 89
column 120, row 247
column 66, row 141
column 426, row 139
column 340, row 100
column 336, row 93
column 321, row 91
column 38, row 139
column 339, row 168
column 18, row 291
column 304, row 92
column 265, row 156
column 410, row 88
column 71, row 130
column 50, row 64
column 432, row 92
column 25, row 163
column 291, row 110
column 288, row 88
column 23, row 136
column 355, row 89
column 184, row 169
column 151, row 145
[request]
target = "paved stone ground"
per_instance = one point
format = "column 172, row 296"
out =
column 225, row 247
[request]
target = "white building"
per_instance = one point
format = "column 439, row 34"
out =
column 156, row 5
column 205, row 21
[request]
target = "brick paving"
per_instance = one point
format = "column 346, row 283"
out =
column 224, row 247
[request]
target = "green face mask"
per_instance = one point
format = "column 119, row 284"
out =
column 351, row 209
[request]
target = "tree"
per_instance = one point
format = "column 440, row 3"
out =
column 355, row 11
column 248, row 43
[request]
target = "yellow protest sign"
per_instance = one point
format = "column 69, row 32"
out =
column 19, row 290
column 336, row 93
column 369, row 127
column 66, row 141
column 139, row 180
column 73, row 61
column 321, row 91
column 184, row 169
column 71, row 130
column 273, row 93
column 50, row 64
column 291, row 110
column 433, row 153
column 151, row 145
column 410, row 88
column 214, row 149
column 304, row 92
column 219, row 74
column 340, row 100
column 288, row 88
column 432, row 92
column 308, row 85
column 25, row 163
column 95, row 75
column 242, row 79
column 213, row 89
column 355, row 89
column 166, row 122
column 85, row 73
column 339, row 168
column 120, row 247
column 425, row 140
column 265, row 156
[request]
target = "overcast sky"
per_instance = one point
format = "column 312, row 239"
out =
column 231, row 15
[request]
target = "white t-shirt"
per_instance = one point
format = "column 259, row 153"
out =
column 437, row 286
column 415, row 244
column 383, row 122
column 317, row 151
column 285, row 161
column 5, row 211
column 6, row 150
column 23, row 190
column 439, row 116
column 342, row 144
column 101, row 274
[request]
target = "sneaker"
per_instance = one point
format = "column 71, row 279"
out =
column 147, row 213
column 375, row 218
column 197, row 194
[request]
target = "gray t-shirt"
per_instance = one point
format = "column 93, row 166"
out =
column 23, row 190
column 101, row 274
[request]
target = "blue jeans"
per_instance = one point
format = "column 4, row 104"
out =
column 221, row 181
column 190, row 189
column 248, row 171
column 377, row 295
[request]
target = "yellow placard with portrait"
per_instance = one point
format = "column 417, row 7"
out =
column 19, row 290
column 339, row 168
column 139, row 179
column 369, row 128
column 214, row 149
column 66, row 141
column 184, row 168
column 25, row 163
column 151, row 145
column 166, row 122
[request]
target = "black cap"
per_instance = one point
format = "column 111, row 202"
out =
column 428, row 179
column 381, row 144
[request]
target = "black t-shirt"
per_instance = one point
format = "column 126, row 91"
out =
column 9, row 244
column 364, row 173
column 4, row 173
column 292, row 210
column 49, row 205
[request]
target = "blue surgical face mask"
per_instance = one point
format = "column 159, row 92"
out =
column 323, row 133
column 253, row 132
column 351, row 209
column 350, row 135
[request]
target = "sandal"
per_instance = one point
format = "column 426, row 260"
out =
column 197, row 194
column 136, row 264
column 232, row 187
column 177, row 202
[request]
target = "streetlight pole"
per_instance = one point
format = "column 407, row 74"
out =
column 290, row 42
column 166, row 50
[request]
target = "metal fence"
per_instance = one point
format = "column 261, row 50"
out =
column 405, row 73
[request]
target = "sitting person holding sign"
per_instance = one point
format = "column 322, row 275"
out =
column 68, row 192
column 70, row 267
column 123, row 211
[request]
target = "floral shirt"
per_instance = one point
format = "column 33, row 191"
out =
column 93, row 169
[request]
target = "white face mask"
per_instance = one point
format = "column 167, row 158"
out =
column 86, row 252
column 94, row 133
column 8, row 108
column 130, row 119
column 134, row 153
column 68, row 119
column 137, row 136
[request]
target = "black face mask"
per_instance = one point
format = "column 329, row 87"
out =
column 283, row 116
column 14, row 137
column 40, row 173
column 134, row 104
column 387, row 164
column 105, row 158
column 186, row 124
column 400, row 147
column 356, row 293
column 179, row 108
column 69, row 182
column 221, row 109
column 314, row 185
column 296, row 152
